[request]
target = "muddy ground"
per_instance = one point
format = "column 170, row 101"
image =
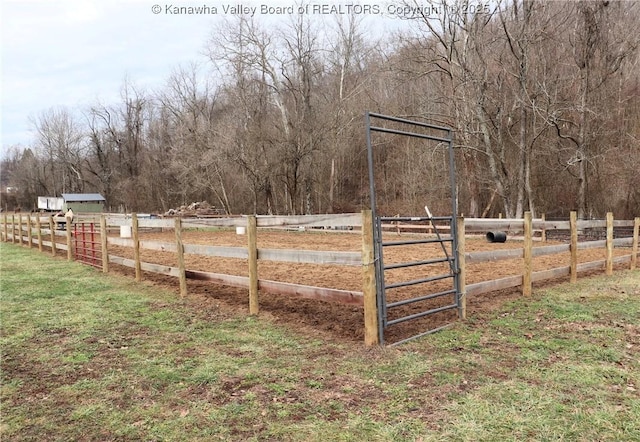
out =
column 337, row 321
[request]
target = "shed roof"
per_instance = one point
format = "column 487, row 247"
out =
column 82, row 197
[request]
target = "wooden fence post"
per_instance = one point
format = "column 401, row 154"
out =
column 13, row 228
column 462, row 274
column 573, row 225
column 634, row 248
column 29, row 232
column 27, row 224
column 22, row 240
column 371, row 336
column 52, row 231
column 39, row 232
column 609, row 258
column 136, row 246
column 528, row 254
column 252, row 249
column 20, row 228
column 6, row 228
column 69, row 239
column 543, row 233
column 104, row 243
column 182, row 275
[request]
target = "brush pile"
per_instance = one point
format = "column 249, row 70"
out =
column 196, row 209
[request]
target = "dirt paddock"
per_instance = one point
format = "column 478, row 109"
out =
column 337, row 321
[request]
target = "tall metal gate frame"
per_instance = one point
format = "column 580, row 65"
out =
column 379, row 244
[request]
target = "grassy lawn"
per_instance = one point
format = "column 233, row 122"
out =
column 93, row 357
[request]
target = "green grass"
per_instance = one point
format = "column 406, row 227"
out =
column 94, row 357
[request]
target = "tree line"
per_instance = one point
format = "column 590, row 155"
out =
column 542, row 96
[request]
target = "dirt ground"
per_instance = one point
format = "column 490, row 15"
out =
column 337, row 321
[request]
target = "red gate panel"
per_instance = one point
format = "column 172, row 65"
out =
column 87, row 244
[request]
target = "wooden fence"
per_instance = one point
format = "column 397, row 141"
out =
column 528, row 252
column 30, row 230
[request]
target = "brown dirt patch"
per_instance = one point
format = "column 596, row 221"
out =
column 336, row 321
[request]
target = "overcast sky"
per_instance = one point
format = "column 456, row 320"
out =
column 74, row 53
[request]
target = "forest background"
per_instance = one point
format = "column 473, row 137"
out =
column 542, row 97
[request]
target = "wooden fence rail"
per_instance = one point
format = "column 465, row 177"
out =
column 528, row 252
column 251, row 282
column 29, row 230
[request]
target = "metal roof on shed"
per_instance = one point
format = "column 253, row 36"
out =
column 78, row 197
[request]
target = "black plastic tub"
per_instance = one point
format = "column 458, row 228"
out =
column 496, row 236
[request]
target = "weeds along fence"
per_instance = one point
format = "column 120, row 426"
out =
column 91, row 238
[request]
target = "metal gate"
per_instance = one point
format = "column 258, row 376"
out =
column 436, row 289
column 87, row 244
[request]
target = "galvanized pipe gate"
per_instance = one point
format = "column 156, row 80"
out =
column 450, row 298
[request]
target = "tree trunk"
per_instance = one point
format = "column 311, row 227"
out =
column 582, row 146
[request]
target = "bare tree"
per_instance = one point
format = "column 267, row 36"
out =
column 599, row 45
column 101, row 158
column 60, row 142
column 196, row 156
column 282, row 69
column 242, row 52
column 353, row 60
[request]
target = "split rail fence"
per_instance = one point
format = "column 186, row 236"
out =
column 89, row 242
